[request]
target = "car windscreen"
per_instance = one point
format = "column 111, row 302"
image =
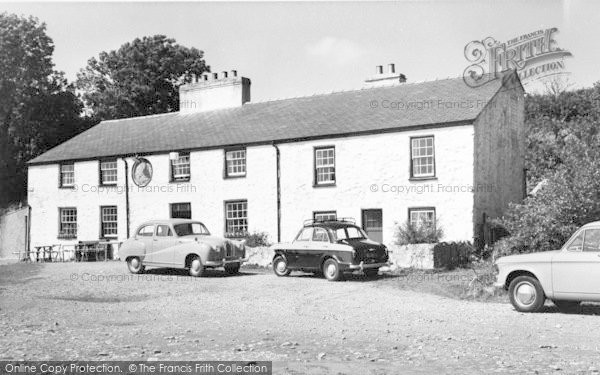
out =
column 349, row 233
column 190, row 229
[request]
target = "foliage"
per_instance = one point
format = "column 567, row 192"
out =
column 564, row 148
column 452, row 254
column 258, row 239
column 38, row 109
column 408, row 233
column 140, row 78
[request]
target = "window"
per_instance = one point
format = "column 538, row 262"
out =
column 163, row 231
column 324, row 216
column 422, row 216
column 591, row 241
column 108, row 219
column 108, row 172
column 235, row 163
column 67, row 175
column 67, row 222
column 191, row 229
column 146, row 231
column 422, row 157
column 305, row 234
column 324, row 166
column 181, row 210
column 236, row 218
column 576, row 243
column 349, row 233
column 180, row 168
column 321, row 235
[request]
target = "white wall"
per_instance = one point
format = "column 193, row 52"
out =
column 206, row 191
column 380, row 160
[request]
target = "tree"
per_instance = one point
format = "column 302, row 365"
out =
column 37, row 108
column 140, row 78
column 563, row 148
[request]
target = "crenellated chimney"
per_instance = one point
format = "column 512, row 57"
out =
column 388, row 78
column 212, row 91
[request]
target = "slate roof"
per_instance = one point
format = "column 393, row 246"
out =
column 317, row 116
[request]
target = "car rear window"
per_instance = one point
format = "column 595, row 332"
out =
column 190, row 229
column 349, row 233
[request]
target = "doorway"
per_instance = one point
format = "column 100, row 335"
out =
column 372, row 223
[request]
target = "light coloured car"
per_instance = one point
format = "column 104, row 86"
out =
column 567, row 276
column 180, row 243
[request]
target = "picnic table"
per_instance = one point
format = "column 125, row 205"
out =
column 47, row 251
column 82, row 251
column 98, row 250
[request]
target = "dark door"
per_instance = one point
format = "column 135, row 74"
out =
column 372, row 223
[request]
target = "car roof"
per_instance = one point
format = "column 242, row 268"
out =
column 332, row 224
column 592, row 224
column 170, row 221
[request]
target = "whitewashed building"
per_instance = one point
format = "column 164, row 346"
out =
column 437, row 151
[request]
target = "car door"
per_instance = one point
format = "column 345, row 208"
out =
column 162, row 245
column 299, row 247
column 317, row 246
column 145, row 235
column 576, row 268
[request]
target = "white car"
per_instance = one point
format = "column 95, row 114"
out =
column 567, row 276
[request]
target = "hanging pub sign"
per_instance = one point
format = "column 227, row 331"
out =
column 141, row 173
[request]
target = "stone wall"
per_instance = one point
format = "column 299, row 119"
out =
column 259, row 256
column 412, row 256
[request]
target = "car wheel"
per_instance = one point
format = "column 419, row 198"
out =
column 371, row 273
column 331, row 270
column 568, row 307
column 196, row 267
column 526, row 294
column 280, row 266
column 232, row 269
column 135, row 265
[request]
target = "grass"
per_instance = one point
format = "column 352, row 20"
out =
column 473, row 283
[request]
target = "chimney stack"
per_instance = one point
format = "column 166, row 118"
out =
column 389, row 78
column 214, row 92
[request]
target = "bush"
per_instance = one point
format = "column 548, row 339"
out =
column 563, row 148
column 258, row 239
column 452, row 254
column 407, row 234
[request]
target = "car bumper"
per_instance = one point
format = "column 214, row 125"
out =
column 223, row 262
column 365, row 266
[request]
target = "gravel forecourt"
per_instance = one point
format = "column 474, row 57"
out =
column 304, row 324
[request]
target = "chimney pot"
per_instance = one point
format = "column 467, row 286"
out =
column 234, row 73
column 392, row 68
column 379, row 69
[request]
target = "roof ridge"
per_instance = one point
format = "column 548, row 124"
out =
column 364, row 88
column 140, row 117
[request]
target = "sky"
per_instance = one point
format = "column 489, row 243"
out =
column 303, row 48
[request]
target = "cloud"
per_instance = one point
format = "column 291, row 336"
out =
column 335, row 50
